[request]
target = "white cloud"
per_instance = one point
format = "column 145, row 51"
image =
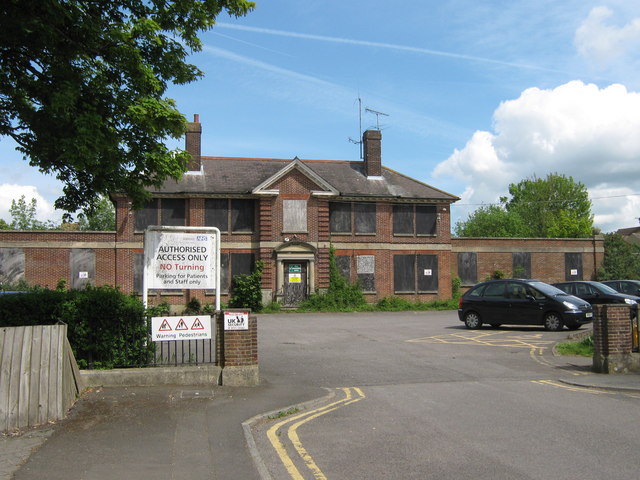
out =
column 601, row 42
column 10, row 192
column 575, row 129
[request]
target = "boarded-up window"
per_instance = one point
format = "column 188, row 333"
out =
column 427, row 273
column 138, row 272
column 224, row 272
column 573, row 266
column 82, row 265
column 242, row 215
column 468, row 268
column 340, row 217
column 294, row 215
column 343, row 263
column 404, row 273
column 366, row 269
column 521, row 265
column 403, row 219
column 415, row 219
column 162, row 211
column 173, row 212
column 365, row 217
column 241, row 263
column 147, row 215
column 347, row 217
column 426, row 219
column 11, row 265
column 230, row 215
column 216, row 213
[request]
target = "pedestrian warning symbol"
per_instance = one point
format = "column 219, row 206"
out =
column 177, row 328
column 181, row 325
column 197, row 325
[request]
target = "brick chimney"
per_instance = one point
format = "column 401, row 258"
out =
column 371, row 141
column 192, row 144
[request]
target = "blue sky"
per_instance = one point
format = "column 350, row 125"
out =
column 477, row 95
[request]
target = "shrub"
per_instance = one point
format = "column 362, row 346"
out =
column 340, row 296
column 105, row 327
column 246, row 290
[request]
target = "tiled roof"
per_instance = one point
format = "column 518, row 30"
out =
column 231, row 175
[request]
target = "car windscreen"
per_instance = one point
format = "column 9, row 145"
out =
column 602, row 288
column 547, row 289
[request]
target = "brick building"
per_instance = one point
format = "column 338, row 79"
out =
column 389, row 231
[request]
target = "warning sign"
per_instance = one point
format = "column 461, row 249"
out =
column 180, row 328
column 236, row 320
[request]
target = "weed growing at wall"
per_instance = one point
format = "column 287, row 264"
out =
column 340, row 296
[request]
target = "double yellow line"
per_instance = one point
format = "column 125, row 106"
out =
column 351, row 395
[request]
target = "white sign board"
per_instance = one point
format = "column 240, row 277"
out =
column 178, row 260
column 236, row 320
column 180, row 328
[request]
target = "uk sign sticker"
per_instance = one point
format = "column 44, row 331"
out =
column 236, row 320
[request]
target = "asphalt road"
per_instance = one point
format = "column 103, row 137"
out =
column 418, row 396
column 374, row 396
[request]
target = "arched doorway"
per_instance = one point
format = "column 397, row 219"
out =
column 295, row 272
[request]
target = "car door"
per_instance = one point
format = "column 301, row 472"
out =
column 494, row 303
column 590, row 294
column 522, row 309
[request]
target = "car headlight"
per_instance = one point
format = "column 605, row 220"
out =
column 570, row 306
column 628, row 301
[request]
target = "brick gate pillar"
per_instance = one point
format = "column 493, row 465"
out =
column 612, row 339
column 237, row 352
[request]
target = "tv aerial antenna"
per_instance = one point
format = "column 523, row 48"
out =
column 377, row 114
column 367, row 110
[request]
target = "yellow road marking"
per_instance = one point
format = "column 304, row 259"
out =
column 572, row 387
column 272, row 435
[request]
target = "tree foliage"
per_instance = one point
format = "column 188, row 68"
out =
column 23, row 216
column 621, row 259
column 103, row 217
column 82, row 86
column 553, row 207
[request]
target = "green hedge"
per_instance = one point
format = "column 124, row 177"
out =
column 106, row 328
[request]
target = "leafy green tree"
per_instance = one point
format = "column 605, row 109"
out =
column 490, row 221
column 102, row 218
column 553, row 207
column 82, row 86
column 621, row 259
column 4, row 225
column 23, row 216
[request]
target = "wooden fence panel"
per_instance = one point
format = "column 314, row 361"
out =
column 39, row 377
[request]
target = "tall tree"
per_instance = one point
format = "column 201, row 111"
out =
column 621, row 259
column 23, row 215
column 103, row 217
column 82, row 86
column 553, row 207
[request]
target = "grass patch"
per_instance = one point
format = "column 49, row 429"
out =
column 284, row 413
column 582, row 348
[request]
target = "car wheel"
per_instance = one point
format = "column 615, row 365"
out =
column 495, row 325
column 472, row 320
column 552, row 322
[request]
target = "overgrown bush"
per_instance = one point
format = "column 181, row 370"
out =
column 246, row 290
column 106, row 328
column 340, row 296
